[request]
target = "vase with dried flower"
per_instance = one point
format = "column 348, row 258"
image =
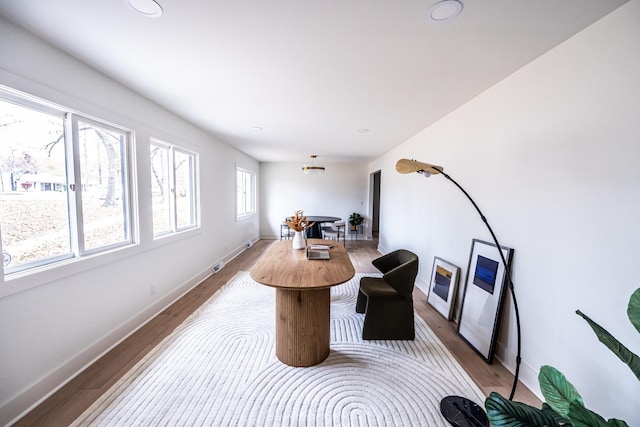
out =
column 298, row 223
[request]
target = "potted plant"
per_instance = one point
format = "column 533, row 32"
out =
column 564, row 406
column 355, row 220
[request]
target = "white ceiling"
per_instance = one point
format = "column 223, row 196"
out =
column 309, row 73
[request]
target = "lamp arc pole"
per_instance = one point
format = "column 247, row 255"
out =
column 426, row 169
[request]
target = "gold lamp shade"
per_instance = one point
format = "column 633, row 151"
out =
column 409, row 166
column 313, row 169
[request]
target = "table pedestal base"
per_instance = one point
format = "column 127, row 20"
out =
column 303, row 326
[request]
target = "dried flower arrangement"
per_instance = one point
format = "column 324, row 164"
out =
column 298, row 222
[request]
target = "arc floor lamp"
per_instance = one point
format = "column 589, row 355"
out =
column 410, row 166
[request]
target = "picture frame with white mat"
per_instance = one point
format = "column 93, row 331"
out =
column 443, row 287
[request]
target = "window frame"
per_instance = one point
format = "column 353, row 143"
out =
column 77, row 182
column 172, row 149
column 74, row 199
column 244, row 213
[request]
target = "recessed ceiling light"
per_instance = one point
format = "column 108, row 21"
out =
column 256, row 127
column 148, row 8
column 445, row 10
column 363, row 130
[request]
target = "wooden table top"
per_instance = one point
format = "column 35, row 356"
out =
column 283, row 267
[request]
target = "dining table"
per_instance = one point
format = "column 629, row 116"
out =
column 315, row 231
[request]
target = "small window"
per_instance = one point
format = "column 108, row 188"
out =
column 245, row 192
column 173, row 188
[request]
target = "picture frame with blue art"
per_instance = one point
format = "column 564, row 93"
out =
column 483, row 299
column 443, row 287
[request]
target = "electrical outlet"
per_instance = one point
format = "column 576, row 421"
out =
column 152, row 289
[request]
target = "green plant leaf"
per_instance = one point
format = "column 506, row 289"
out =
column 553, row 414
column 505, row 413
column 623, row 353
column 633, row 310
column 582, row 417
column 557, row 390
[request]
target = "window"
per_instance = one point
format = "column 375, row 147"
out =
column 173, row 188
column 64, row 184
column 245, row 192
column 104, row 219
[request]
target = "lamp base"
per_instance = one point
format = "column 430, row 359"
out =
column 462, row 412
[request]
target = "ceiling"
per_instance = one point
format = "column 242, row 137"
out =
column 282, row 79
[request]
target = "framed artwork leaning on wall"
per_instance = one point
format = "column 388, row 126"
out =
column 484, row 292
column 443, row 286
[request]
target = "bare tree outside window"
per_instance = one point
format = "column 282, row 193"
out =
column 34, row 215
column 173, row 188
column 103, row 195
column 38, row 202
column 161, row 200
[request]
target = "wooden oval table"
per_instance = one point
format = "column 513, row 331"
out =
column 303, row 298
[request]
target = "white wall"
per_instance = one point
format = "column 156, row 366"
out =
column 342, row 190
column 551, row 156
column 55, row 322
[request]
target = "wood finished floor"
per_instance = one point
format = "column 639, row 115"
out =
column 64, row 406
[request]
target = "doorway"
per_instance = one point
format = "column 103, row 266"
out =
column 375, row 200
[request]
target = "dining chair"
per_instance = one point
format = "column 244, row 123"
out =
column 334, row 231
column 285, row 232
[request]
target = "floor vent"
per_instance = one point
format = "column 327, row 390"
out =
column 217, row 267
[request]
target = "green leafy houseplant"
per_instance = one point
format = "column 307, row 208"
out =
column 564, row 405
column 355, row 220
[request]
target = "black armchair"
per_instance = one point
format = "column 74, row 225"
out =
column 388, row 301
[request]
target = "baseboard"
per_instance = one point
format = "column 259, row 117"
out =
column 527, row 375
column 35, row 394
column 382, row 249
column 43, row 389
column 239, row 249
column 422, row 285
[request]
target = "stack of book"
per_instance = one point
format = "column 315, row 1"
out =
column 318, row 252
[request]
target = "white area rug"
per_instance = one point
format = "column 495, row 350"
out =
column 219, row 369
